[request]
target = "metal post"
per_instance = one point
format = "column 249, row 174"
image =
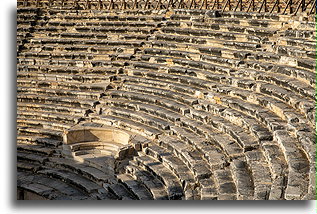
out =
column 224, row 7
column 301, row 4
column 146, row 4
column 288, row 3
column 239, row 3
column 111, row 5
column 158, row 4
column 191, row 4
column 290, row 7
column 251, row 4
column 135, row 4
column 265, row 6
column 169, row 3
column 213, row 6
column 276, row 4
column 312, row 8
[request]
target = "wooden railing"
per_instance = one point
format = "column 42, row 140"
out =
column 270, row 6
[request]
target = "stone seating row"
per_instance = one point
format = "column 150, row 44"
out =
column 230, row 32
column 66, row 55
column 192, row 40
column 44, row 41
column 50, row 116
column 69, row 102
column 41, row 123
column 78, row 48
column 97, row 29
column 239, row 36
column 301, row 63
column 61, row 92
column 183, row 14
column 197, row 102
column 46, row 188
column 56, row 169
column 38, row 149
column 167, row 177
column 295, row 52
column 135, row 127
column 175, row 164
column 46, row 79
column 103, row 18
column 39, row 140
column 139, row 190
column 153, row 184
column 126, row 115
column 71, row 63
column 67, row 85
column 192, row 158
column 25, row 26
column 166, row 102
column 101, row 23
column 199, row 114
column 224, row 189
column 68, row 74
column 207, row 186
column 272, row 94
column 84, row 184
column 209, row 77
column 299, row 73
column 177, row 78
column 49, row 133
column 121, row 192
column 300, row 34
column 38, row 155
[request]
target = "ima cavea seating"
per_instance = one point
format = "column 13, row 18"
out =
column 176, row 100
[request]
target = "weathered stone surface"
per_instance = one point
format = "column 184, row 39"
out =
column 218, row 105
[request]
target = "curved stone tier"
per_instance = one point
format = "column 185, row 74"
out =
column 165, row 105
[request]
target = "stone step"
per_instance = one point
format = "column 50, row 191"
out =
column 72, row 102
column 166, row 176
column 60, row 92
column 243, row 179
column 83, row 169
column 121, row 192
column 48, row 188
column 173, row 163
column 139, row 191
column 155, row 186
column 54, row 134
column 24, row 106
column 227, row 188
column 86, row 185
column 39, row 149
column 33, row 158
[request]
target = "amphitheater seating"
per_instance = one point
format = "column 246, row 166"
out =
column 216, row 107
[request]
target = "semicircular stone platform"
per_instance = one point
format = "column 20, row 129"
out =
column 165, row 105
